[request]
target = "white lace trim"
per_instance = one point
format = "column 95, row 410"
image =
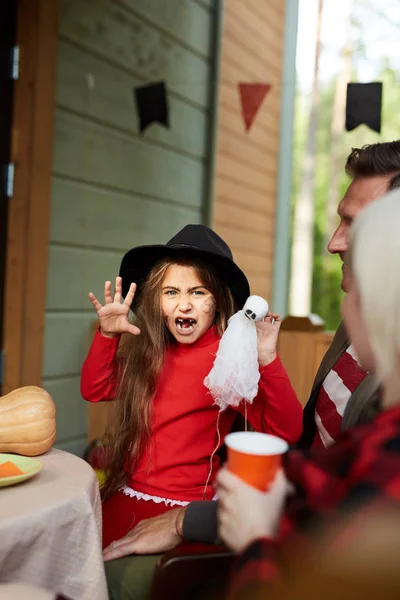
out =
column 157, row 499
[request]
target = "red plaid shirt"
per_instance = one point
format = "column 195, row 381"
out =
column 352, row 478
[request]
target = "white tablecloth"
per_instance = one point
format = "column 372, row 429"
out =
column 50, row 530
column 23, row 591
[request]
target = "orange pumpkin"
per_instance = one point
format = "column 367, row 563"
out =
column 27, row 421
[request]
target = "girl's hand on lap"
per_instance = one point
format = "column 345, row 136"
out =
column 150, row 536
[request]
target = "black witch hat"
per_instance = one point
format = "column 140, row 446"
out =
column 193, row 240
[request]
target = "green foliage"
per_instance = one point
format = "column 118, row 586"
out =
column 326, row 292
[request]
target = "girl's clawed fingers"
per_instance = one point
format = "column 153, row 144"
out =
column 108, row 293
column 130, row 295
column 133, row 329
column 272, row 317
column 114, row 316
column 118, row 289
column 95, row 302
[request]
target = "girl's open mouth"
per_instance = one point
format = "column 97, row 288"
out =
column 185, row 326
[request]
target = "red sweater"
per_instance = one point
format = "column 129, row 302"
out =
column 176, row 463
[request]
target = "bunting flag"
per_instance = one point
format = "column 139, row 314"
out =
column 252, row 96
column 151, row 104
column 364, row 105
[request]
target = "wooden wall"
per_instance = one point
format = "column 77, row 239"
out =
column 247, row 163
column 112, row 188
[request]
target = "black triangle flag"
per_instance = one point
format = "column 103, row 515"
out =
column 151, row 104
column 364, row 105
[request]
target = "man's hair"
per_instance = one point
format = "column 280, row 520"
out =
column 376, row 159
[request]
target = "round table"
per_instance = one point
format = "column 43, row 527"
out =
column 24, row 591
column 50, row 530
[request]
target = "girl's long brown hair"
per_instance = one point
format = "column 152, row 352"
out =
column 141, row 361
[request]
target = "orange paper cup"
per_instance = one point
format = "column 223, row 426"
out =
column 255, row 457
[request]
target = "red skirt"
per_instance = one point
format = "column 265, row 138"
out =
column 121, row 513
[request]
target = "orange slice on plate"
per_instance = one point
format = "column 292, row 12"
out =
column 8, row 469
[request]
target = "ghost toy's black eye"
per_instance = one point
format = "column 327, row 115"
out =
column 253, row 316
column 248, row 311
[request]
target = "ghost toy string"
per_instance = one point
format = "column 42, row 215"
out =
column 235, row 373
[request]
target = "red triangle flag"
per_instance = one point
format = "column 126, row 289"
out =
column 252, row 96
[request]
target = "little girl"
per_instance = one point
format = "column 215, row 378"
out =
column 159, row 452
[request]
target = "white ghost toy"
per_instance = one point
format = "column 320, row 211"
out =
column 235, row 373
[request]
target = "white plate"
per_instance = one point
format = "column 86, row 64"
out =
column 29, row 466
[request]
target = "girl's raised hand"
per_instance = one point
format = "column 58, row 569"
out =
column 113, row 316
column 267, row 337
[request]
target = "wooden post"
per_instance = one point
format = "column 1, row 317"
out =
column 29, row 209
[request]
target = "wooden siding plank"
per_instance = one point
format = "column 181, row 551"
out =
column 242, row 150
column 243, row 174
column 228, row 214
column 241, row 195
column 265, row 66
column 240, row 18
column 259, row 138
column 261, row 286
column 97, row 90
column 87, row 269
column 258, row 206
column 250, row 263
column 72, row 410
column 110, row 31
column 255, row 243
column 279, row 7
column 272, row 11
column 185, row 21
column 264, row 125
column 90, row 152
column 68, row 337
column 86, row 215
